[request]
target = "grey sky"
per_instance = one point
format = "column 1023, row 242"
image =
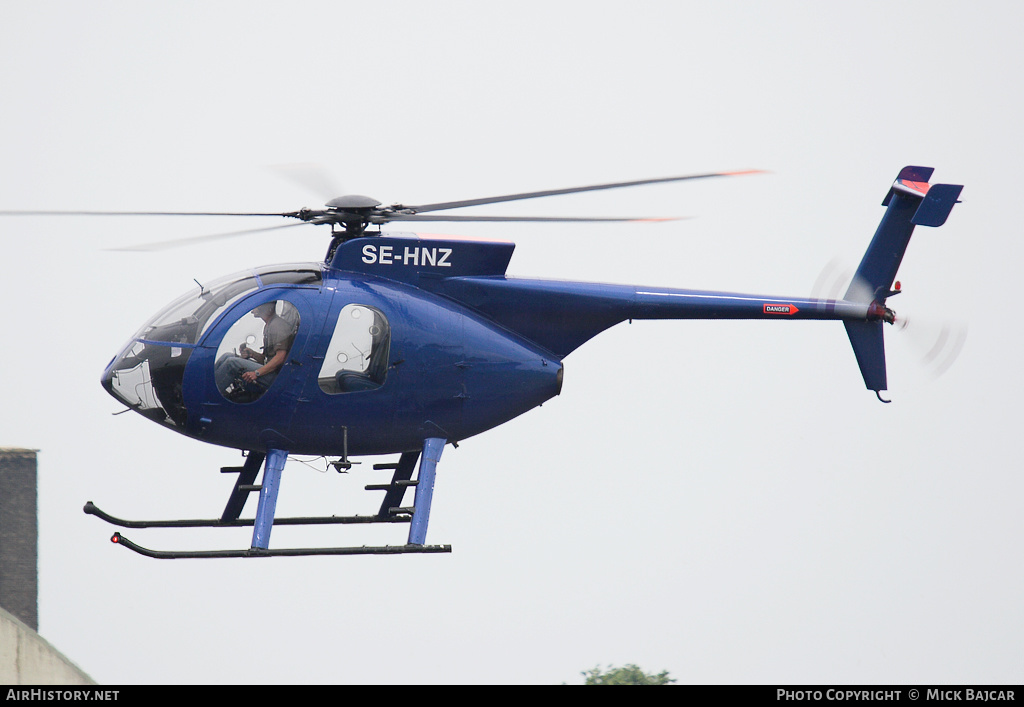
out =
column 723, row 500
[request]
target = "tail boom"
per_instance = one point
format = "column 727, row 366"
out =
column 653, row 303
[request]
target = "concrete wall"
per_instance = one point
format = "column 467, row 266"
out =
column 18, row 533
column 27, row 659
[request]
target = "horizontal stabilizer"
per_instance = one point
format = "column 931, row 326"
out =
column 936, row 205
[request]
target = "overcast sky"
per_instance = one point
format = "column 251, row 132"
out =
column 722, row 500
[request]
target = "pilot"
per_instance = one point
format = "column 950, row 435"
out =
column 254, row 367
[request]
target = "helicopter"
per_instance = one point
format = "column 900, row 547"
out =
column 404, row 344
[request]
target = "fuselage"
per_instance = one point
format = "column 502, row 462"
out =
column 372, row 360
column 393, row 341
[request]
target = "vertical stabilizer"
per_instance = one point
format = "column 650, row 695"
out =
column 869, row 348
column 911, row 202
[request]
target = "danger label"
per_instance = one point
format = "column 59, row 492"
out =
column 780, row 309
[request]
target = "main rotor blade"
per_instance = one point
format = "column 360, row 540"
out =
column 139, row 213
column 524, row 219
column 181, row 242
column 572, row 190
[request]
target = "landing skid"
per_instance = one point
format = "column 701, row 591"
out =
column 391, row 511
column 119, row 539
column 91, row 509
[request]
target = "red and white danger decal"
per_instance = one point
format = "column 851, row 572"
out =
column 780, row 309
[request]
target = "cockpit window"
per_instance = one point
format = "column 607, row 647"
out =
column 147, row 378
column 254, row 350
column 357, row 357
column 185, row 320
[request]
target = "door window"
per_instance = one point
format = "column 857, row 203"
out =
column 357, row 357
column 254, row 350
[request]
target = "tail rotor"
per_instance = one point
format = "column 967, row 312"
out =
column 937, row 344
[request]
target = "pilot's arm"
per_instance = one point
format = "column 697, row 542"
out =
column 275, row 362
column 245, row 352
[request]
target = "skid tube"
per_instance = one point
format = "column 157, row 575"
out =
column 119, row 539
column 91, row 509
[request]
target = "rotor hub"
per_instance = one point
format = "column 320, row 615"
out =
column 352, row 202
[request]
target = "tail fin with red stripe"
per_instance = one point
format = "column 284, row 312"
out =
column 911, row 202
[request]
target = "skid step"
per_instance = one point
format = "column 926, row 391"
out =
column 91, row 509
column 388, row 487
column 119, row 539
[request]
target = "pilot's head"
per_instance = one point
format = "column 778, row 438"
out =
column 264, row 311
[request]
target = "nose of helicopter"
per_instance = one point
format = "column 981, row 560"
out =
column 147, row 378
column 107, row 379
column 147, row 374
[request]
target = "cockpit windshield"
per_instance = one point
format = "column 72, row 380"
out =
column 185, row 320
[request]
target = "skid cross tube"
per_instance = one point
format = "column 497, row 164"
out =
column 432, row 448
column 272, row 469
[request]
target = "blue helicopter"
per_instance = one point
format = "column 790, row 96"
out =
column 399, row 344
